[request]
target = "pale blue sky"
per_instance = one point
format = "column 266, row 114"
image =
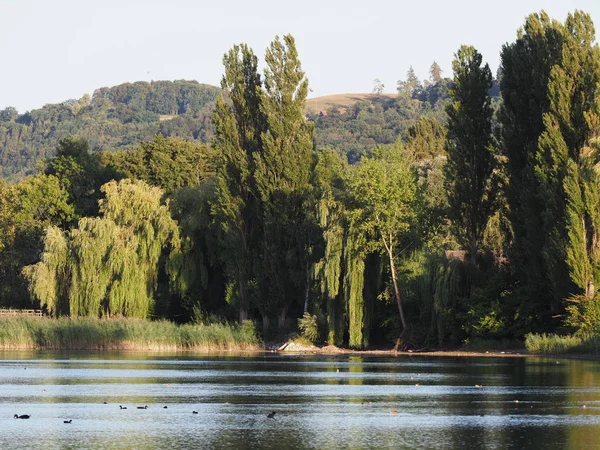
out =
column 60, row 49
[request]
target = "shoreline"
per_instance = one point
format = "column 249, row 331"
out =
column 306, row 351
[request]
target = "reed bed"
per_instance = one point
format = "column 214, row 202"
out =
column 555, row 344
column 123, row 334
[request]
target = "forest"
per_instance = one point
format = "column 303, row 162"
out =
column 465, row 209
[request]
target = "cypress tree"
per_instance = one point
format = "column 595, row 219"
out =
column 471, row 162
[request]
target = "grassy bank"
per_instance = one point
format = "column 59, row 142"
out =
column 122, row 334
column 555, row 344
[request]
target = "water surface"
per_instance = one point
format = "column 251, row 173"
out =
column 321, row 402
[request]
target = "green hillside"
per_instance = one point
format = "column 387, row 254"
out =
column 112, row 118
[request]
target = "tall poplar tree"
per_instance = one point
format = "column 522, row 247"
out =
column 524, row 74
column 567, row 160
column 239, row 123
column 469, row 170
column 283, row 176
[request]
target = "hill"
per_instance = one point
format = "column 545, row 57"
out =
column 112, row 118
column 343, row 101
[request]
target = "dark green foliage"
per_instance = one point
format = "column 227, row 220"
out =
column 525, row 72
column 469, row 170
column 239, row 126
column 168, row 163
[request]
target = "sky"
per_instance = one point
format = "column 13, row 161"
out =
column 57, row 50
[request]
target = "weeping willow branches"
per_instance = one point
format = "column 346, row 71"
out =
column 107, row 266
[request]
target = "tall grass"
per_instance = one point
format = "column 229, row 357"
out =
column 122, row 334
column 552, row 343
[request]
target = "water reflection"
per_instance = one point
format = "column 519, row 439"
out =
column 321, row 401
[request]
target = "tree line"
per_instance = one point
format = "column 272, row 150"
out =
column 481, row 222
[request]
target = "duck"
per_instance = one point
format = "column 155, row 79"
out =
column 271, row 415
column 583, row 405
column 194, row 412
column 164, row 407
column 394, row 412
column 122, row 407
column 22, row 416
column 142, row 407
column 68, row 421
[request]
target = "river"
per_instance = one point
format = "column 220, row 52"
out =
column 320, row 402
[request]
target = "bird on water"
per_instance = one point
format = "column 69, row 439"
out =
column 22, row 416
column 271, row 415
column 122, row 407
column 142, row 407
column 194, row 412
column 68, row 421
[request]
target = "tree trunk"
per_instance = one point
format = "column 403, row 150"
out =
column 307, row 289
column 396, row 290
column 265, row 321
column 243, row 300
column 473, row 252
column 590, row 289
column 281, row 317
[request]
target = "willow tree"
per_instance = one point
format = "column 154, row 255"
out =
column 283, row 177
column 383, row 193
column 331, row 172
column 107, row 266
column 468, row 171
column 239, row 123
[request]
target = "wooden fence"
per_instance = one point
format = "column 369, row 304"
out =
column 20, row 312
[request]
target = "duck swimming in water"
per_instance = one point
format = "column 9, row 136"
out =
column 23, row 416
column 142, row 407
column 68, row 421
column 271, row 415
column 122, row 407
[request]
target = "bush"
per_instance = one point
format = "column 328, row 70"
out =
column 309, row 328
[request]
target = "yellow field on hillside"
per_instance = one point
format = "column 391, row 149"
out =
column 341, row 101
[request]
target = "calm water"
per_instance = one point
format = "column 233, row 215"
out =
column 437, row 402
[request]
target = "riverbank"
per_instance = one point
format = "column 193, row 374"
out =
column 41, row 333
column 330, row 350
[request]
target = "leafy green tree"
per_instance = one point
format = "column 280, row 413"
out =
column 383, row 194
column 426, row 139
column 165, row 162
column 26, row 210
column 80, row 173
column 469, row 170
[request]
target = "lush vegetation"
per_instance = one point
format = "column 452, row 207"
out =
column 465, row 210
column 123, row 334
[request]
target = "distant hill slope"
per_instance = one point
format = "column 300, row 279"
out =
column 112, row 118
column 343, row 101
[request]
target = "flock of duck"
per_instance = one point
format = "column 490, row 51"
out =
column 271, row 415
